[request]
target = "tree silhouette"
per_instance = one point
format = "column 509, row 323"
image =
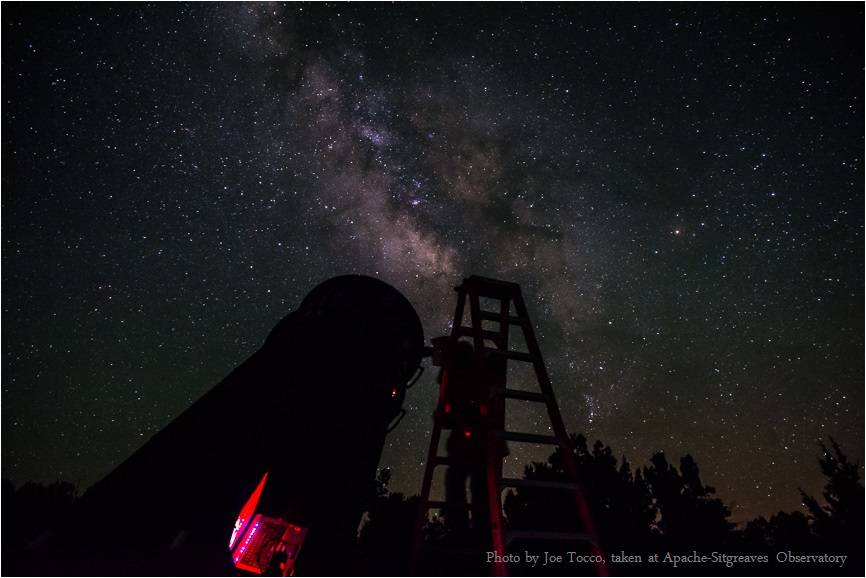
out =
column 839, row 525
column 653, row 509
column 689, row 515
column 784, row 531
column 32, row 509
column 843, row 514
column 385, row 536
column 833, row 529
column 618, row 499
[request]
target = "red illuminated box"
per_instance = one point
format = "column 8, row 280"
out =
column 258, row 540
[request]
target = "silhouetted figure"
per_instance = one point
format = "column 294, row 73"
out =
column 465, row 445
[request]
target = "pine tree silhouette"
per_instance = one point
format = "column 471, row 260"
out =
column 839, row 525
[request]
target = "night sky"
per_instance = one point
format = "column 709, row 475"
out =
column 678, row 189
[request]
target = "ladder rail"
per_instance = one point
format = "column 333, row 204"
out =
column 427, row 482
column 490, row 455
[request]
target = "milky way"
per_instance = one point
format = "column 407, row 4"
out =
column 677, row 188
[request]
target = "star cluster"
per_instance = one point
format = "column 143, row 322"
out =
column 677, row 188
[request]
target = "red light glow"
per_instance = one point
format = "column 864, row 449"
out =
column 247, row 511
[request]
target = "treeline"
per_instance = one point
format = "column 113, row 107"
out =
column 33, row 508
column 651, row 510
column 655, row 509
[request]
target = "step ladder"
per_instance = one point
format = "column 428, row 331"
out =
column 491, row 389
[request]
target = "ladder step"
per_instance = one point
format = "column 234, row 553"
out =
column 520, row 394
column 545, row 484
column 464, row 331
column 509, row 354
column 542, row 535
column 493, row 316
column 528, row 437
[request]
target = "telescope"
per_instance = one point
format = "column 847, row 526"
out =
column 309, row 410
